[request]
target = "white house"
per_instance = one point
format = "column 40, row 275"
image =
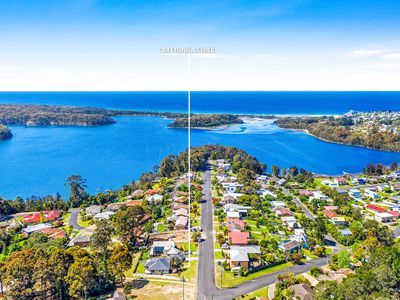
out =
column 277, row 205
column 370, row 194
column 383, row 217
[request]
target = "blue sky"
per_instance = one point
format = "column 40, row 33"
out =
column 262, row 45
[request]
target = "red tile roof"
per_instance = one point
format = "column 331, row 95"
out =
column 376, row 208
column 134, row 202
column 394, row 213
column 32, row 218
column 284, row 211
column 330, row 214
column 331, row 207
column 238, row 237
column 305, row 192
column 52, row 215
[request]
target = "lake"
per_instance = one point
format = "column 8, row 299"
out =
column 37, row 160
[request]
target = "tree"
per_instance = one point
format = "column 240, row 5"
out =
column 126, row 222
column 60, row 261
column 275, row 170
column 43, row 276
column 77, row 187
column 18, row 275
column 81, row 277
column 343, row 259
column 167, row 166
column 100, row 240
column 120, row 262
column 196, row 236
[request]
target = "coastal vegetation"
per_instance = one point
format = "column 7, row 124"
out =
column 5, row 133
column 206, row 121
column 376, row 130
column 45, row 115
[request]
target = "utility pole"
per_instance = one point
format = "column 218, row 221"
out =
column 183, row 288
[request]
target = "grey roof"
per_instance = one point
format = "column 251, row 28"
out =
column 79, row 238
column 158, row 264
column 36, row 227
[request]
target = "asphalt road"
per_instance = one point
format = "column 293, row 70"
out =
column 298, row 203
column 206, row 268
column 206, row 288
column 73, row 219
column 263, row 281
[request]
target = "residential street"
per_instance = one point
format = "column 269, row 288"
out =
column 206, row 269
column 206, row 288
column 73, row 219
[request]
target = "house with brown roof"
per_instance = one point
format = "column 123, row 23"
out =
column 302, row 291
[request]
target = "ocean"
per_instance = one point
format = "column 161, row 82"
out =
column 37, row 160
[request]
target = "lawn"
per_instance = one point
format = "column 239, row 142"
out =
column 135, row 261
column 230, row 280
column 307, row 252
column 190, row 273
column 140, row 268
column 161, row 227
column 66, row 217
column 261, row 293
column 84, row 223
column 218, row 255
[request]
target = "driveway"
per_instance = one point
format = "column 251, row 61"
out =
column 73, row 219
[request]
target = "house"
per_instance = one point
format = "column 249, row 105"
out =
column 181, row 212
column 345, row 232
column 300, row 236
column 231, row 187
column 14, row 224
column 54, row 233
column 233, row 215
column 93, row 210
column 305, row 192
column 375, row 208
column 261, row 178
column 302, row 291
column 34, row 228
column 165, row 248
column 227, row 198
column 339, row 221
column 283, row 212
column 181, row 222
column 319, row 195
column 383, row 217
column 239, row 255
column 137, row 193
column 131, row 203
column 281, row 182
column 104, row 215
column 361, row 180
column 158, row 266
column 395, row 214
column 289, row 221
column 354, row 193
column 265, row 193
column 235, row 224
column 331, row 207
column 330, row 214
column 242, row 210
column 277, row 205
column 32, row 218
column 155, row 199
column 370, row 194
column 340, row 181
column 238, row 237
column 114, row 206
column 290, row 246
column 80, row 240
column 52, row 215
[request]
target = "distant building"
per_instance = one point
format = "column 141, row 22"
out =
column 32, row 218
column 34, row 228
column 93, row 210
column 158, row 266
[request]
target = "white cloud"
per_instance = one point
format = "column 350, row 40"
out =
column 11, row 68
column 392, row 56
column 385, row 66
column 363, row 53
column 261, row 55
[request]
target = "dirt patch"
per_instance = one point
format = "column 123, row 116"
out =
column 164, row 291
column 178, row 236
